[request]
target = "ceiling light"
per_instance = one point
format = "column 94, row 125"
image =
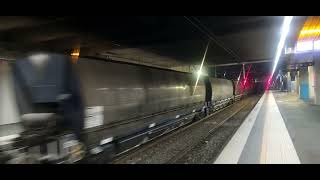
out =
column 284, row 32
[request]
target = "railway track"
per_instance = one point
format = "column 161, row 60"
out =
column 211, row 145
column 204, row 127
column 143, row 147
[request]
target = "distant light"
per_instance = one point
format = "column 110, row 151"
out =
column 316, row 45
column 310, row 31
column 200, row 70
column 304, row 46
column 75, row 54
column 199, row 73
column 284, row 32
column 289, row 50
column 39, row 59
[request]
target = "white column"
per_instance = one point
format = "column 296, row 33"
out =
column 317, row 81
column 297, row 83
column 311, row 84
column 289, row 87
column 8, row 108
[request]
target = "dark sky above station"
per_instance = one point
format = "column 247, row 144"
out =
column 166, row 40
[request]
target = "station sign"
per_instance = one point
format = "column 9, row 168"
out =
column 299, row 65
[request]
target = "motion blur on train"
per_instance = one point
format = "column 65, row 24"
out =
column 94, row 110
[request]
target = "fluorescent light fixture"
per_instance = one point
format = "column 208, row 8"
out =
column 284, row 32
column 304, row 46
column 316, row 45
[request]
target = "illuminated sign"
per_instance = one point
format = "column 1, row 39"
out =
column 304, row 46
column 316, row 45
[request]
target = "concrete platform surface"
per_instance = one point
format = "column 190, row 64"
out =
column 303, row 124
column 263, row 138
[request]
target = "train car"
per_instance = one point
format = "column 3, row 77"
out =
column 118, row 106
column 125, row 99
column 238, row 90
column 223, row 92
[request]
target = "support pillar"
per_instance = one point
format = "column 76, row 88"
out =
column 317, row 81
column 311, row 84
column 297, row 83
column 289, row 82
column 215, row 71
column 304, row 83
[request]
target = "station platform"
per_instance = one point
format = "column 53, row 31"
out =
column 281, row 129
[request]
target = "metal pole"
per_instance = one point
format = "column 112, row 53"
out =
column 243, row 71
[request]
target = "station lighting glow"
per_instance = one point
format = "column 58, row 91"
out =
column 310, row 31
column 39, row 60
column 75, row 54
column 304, row 46
column 284, row 32
column 200, row 70
column 199, row 73
column 308, row 39
column 316, row 45
column 38, row 57
column 289, row 50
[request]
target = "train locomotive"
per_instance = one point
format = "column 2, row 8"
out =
column 94, row 110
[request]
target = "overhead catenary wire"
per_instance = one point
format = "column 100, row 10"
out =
column 216, row 39
column 212, row 37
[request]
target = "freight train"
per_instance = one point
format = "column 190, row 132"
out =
column 94, row 110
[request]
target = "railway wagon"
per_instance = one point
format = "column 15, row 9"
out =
column 131, row 98
column 123, row 104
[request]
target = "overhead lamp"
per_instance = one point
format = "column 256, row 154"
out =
column 284, row 33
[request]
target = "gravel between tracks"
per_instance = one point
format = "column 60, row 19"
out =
column 208, row 150
column 166, row 148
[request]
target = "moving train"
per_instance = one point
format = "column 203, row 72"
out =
column 94, row 110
